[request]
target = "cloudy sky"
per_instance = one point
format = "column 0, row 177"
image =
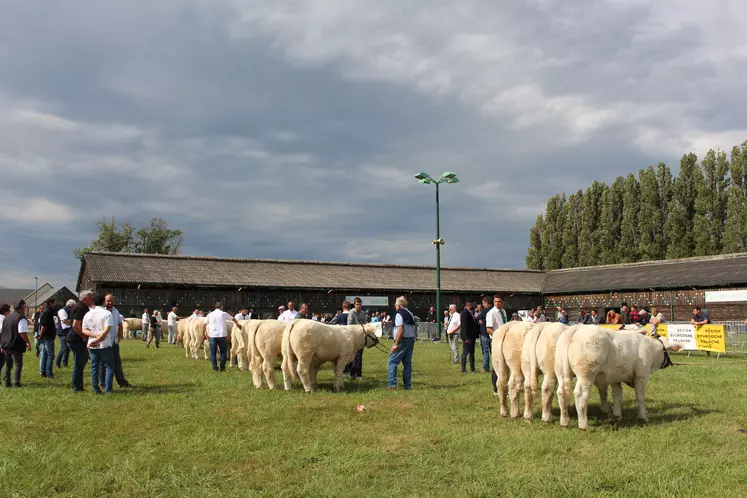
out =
column 293, row 129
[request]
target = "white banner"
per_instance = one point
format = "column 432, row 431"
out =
column 682, row 333
column 370, row 300
column 729, row 296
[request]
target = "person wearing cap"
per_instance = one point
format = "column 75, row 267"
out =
column 14, row 341
column 281, row 310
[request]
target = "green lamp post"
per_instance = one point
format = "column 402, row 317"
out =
column 425, row 178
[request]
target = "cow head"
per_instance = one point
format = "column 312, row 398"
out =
column 661, row 347
column 371, row 338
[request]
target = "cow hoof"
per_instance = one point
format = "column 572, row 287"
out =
column 528, row 420
column 547, row 421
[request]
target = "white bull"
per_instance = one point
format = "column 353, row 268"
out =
column 240, row 340
column 508, row 342
column 130, row 326
column 538, row 357
column 312, row 344
column 603, row 357
column 265, row 347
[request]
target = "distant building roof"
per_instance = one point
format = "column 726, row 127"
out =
column 10, row 296
column 31, row 298
column 60, row 295
column 707, row 271
column 123, row 268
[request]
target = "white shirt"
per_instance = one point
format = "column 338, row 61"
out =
column 454, row 322
column 146, row 319
column 288, row 316
column 23, row 326
column 172, row 318
column 2, row 317
column 216, row 323
column 96, row 321
column 62, row 315
column 494, row 320
column 116, row 320
column 240, row 316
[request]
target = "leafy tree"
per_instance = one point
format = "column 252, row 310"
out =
column 552, row 233
column 571, row 229
column 606, row 235
column 679, row 224
column 157, row 238
column 735, row 230
column 650, row 226
column 113, row 237
column 589, row 250
column 664, row 183
column 710, row 203
column 628, row 247
column 534, row 256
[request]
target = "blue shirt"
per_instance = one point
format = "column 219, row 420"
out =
column 702, row 316
column 408, row 331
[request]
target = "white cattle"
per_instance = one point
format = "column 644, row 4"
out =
column 240, row 340
column 265, row 347
column 538, row 356
column 130, row 326
column 508, row 342
column 312, row 343
column 604, row 357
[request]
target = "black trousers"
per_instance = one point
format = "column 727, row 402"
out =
column 355, row 367
column 468, row 350
column 13, row 360
column 80, row 358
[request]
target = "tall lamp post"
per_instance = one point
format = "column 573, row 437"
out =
column 36, row 293
column 425, row 178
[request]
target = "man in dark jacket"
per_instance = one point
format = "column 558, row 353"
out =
column 485, row 340
column 431, row 318
column 47, row 337
column 14, row 341
column 469, row 331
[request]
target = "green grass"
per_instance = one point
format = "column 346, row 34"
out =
column 187, row 431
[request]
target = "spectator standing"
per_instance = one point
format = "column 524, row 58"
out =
column 625, row 314
column 76, row 338
column 656, row 319
column 253, row 315
column 594, row 317
column 342, row 318
column 243, row 314
column 644, row 318
column 634, row 316
column 289, row 314
column 14, row 342
column 583, row 318
column 117, row 333
column 495, row 319
column 357, row 317
column 375, row 318
column 485, row 339
column 98, row 325
column 171, row 320
column 699, row 319
column 404, row 343
column 36, row 317
column 563, row 318
column 469, row 331
column 66, row 322
column 47, row 337
column 452, row 332
column 214, row 329
column 146, row 324
column 431, row 318
column 303, row 312
column 539, row 315
column 155, row 330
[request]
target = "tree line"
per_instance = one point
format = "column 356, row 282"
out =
column 700, row 212
column 156, row 238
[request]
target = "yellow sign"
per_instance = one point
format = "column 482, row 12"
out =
column 612, row 326
column 710, row 338
column 700, row 338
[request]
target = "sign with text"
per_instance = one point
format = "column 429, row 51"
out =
column 729, row 296
column 700, row 338
column 370, row 300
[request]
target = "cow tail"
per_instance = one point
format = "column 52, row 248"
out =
column 238, row 334
column 499, row 336
column 567, row 371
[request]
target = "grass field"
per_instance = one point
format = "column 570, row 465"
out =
column 187, row 431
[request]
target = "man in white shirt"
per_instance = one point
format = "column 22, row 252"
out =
column 290, row 314
column 99, row 326
column 452, row 331
column 146, row 324
column 495, row 319
column 215, row 330
column 117, row 321
column 243, row 314
column 66, row 322
column 172, row 318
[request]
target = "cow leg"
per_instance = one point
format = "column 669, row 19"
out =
column 287, row 373
column 186, row 348
column 303, row 374
column 528, row 399
column 339, row 369
column 640, row 394
column 583, row 388
column 502, row 385
column 515, row 382
column 617, row 396
column 562, row 400
column 549, row 384
column 257, row 372
column 313, row 372
column 269, row 369
column 206, row 349
column 603, row 402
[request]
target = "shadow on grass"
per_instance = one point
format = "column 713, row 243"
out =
column 140, row 390
column 663, row 413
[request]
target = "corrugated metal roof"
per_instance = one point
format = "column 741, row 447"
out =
column 191, row 270
column 10, row 296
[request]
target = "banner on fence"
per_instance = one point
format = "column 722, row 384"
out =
column 701, row 338
column 370, row 300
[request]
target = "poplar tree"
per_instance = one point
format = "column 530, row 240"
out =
column 605, row 234
column 679, row 224
column 650, row 243
column 552, row 232
column 710, row 203
column 571, row 229
column 588, row 245
column 534, row 255
column 735, row 230
column 664, row 182
column 628, row 246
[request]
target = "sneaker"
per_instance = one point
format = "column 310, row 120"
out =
column 50, row 376
column 42, row 374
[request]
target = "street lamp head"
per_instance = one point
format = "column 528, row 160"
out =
column 449, row 177
column 424, row 177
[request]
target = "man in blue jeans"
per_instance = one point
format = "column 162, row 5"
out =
column 98, row 325
column 486, row 342
column 65, row 323
column 215, row 329
column 47, row 337
column 404, row 342
column 76, row 339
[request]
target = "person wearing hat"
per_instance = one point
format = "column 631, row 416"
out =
column 281, row 310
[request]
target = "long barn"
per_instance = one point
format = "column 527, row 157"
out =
column 160, row 282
